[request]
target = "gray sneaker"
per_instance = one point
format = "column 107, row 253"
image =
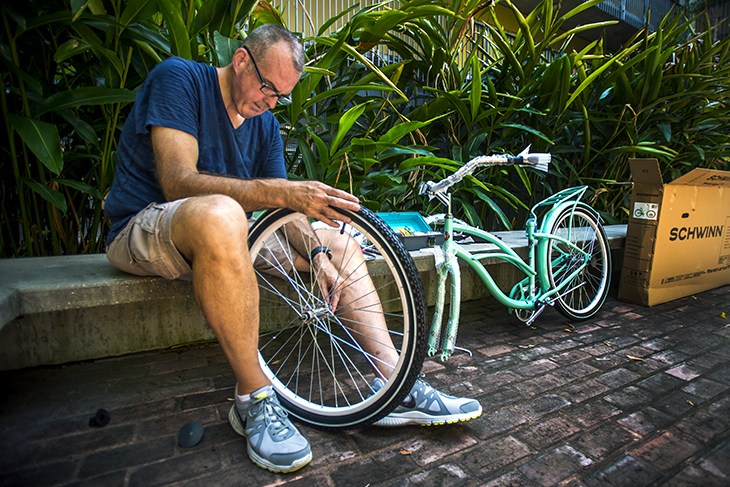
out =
column 274, row 443
column 426, row 406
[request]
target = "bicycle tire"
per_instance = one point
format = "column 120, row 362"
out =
column 321, row 373
column 587, row 291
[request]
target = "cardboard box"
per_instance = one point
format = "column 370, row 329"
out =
column 412, row 230
column 678, row 236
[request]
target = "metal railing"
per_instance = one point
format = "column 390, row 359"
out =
column 634, row 12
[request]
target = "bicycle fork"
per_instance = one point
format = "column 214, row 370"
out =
column 446, row 263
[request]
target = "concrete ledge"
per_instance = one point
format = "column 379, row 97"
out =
column 43, row 284
column 63, row 309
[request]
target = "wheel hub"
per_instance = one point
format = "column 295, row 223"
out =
column 313, row 315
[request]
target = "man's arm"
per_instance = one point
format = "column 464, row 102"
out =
column 176, row 157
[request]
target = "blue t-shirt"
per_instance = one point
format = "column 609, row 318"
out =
column 186, row 96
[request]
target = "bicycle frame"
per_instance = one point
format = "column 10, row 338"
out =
column 527, row 294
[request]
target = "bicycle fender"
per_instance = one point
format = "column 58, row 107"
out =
column 547, row 224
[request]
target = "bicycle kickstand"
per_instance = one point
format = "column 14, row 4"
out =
column 537, row 312
column 542, row 306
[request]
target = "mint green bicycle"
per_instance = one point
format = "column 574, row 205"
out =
column 569, row 262
column 327, row 366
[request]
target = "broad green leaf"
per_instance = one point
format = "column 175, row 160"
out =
column 374, row 33
column 96, row 7
column 52, row 196
column 154, row 39
column 666, row 129
column 509, row 55
column 336, row 92
column 85, row 130
column 68, row 49
column 363, row 148
column 496, row 209
column 332, row 20
column 316, row 70
column 459, row 105
column 225, row 48
column 81, row 186
column 77, row 6
column 42, row 138
column 357, row 55
column 576, row 30
column 645, row 149
column 472, row 215
column 89, row 95
column 586, row 134
column 700, row 151
column 137, row 10
column 177, row 32
column 394, row 135
column 526, row 129
column 595, row 74
column 580, row 8
column 324, row 154
column 402, row 151
column 347, row 120
column 491, row 90
column 148, row 49
column 210, row 14
column 441, row 162
column 389, row 179
column 524, row 30
column 310, row 164
column 475, row 97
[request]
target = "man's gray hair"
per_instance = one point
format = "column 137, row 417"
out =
column 262, row 38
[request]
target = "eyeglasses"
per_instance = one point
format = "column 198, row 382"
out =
column 266, row 89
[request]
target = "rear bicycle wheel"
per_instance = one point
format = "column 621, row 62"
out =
column 323, row 364
column 583, row 294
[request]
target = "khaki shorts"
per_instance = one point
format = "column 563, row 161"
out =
column 145, row 248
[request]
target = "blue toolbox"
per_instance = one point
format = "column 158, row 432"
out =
column 412, row 229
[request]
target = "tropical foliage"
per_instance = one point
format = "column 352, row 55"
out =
column 400, row 93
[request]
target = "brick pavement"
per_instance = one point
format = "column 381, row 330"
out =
column 637, row 396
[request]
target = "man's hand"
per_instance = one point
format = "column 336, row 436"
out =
column 318, row 200
column 330, row 281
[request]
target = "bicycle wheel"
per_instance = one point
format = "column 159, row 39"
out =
column 323, row 364
column 584, row 294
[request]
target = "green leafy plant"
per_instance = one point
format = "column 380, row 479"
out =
column 70, row 72
column 402, row 92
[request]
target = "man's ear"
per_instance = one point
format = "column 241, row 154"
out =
column 239, row 59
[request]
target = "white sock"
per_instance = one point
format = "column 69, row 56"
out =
column 242, row 404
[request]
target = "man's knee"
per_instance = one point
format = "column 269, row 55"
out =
column 213, row 215
column 214, row 223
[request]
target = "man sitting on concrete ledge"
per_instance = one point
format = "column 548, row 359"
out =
column 198, row 152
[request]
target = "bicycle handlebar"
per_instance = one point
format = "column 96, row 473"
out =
column 539, row 161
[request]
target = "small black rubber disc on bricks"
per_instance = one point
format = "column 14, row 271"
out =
column 101, row 418
column 190, row 434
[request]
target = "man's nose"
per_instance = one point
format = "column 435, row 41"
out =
column 271, row 101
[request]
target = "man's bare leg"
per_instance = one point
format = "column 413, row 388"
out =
column 359, row 306
column 211, row 232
